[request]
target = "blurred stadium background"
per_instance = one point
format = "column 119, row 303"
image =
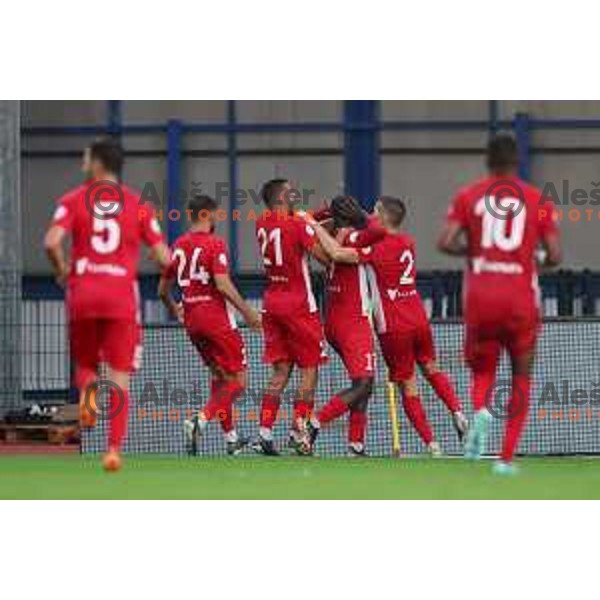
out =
column 424, row 150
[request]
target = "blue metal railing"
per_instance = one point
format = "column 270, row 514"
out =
column 361, row 125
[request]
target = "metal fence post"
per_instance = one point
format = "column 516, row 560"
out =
column 522, row 132
column 361, row 150
column 173, row 177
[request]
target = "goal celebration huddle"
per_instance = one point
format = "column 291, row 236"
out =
column 371, row 299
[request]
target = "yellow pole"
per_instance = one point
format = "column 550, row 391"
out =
column 393, row 408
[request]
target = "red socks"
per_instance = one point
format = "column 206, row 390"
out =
column 335, row 408
column 220, row 404
column 268, row 410
column 302, row 409
column 416, row 415
column 119, row 415
column 518, row 409
column 443, row 387
column 481, row 387
column 357, row 427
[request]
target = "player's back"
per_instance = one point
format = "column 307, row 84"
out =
column 284, row 241
column 106, row 240
column 504, row 219
column 392, row 273
column 196, row 258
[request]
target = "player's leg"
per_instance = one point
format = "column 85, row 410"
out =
column 121, row 349
column 413, row 408
column 398, row 349
column 223, row 352
column 482, row 350
column 521, row 348
column 271, row 401
column 306, row 345
column 85, row 350
column 355, row 347
column 276, row 353
column 438, row 380
column 357, row 429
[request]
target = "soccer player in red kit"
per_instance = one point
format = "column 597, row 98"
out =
column 107, row 225
column 498, row 223
column 347, row 324
column 200, row 266
column 293, row 335
column 400, row 319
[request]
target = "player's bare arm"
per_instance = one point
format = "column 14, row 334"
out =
column 160, row 254
column 227, row 288
column 165, row 288
column 333, row 248
column 53, row 243
column 452, row 241
column 552, row 248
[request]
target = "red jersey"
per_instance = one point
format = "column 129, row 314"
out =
column 105, row 251
column 503, row 234
column 284, row 242
column 392, row 275
column 196, row 258
column 347, row 288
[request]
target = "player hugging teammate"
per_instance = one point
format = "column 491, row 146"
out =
column 371, row 263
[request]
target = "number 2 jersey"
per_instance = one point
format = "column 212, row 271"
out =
column 502, row 237
column 397, row 305
column 105, row 252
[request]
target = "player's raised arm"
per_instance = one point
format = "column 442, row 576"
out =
column 333, row 249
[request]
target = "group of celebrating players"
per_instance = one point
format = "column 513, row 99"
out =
column 370, row 261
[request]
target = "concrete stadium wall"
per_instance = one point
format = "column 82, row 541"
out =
column 426, row 166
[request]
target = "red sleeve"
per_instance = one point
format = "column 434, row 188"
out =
column 547, row 218
column 306, row 234
column 64, row 215
column 150, row 227
column 220, row 259
column 458, row 212
column 367, row 254
column 359, row 238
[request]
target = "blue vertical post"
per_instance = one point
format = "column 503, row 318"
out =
column 493, row 116
column 173, row 178
column 114, row 118
column 232, row 173
column 362, row 168
column 522, row 133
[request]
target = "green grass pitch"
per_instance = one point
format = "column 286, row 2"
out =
column 162, row 477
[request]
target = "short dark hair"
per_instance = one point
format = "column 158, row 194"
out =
column 200, row 203
column 395, row 209
column 271, row 190
column 109, row 152
column 502, row 152
column 347, row 212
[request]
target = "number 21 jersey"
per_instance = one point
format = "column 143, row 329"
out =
column 284, row 241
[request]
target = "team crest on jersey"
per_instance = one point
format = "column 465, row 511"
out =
column 310, row 230
column 223, row 259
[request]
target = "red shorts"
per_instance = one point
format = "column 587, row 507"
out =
column 354, row 343
column 117, row 342
column 485, row 340
column 403, row 349
column 222, row 348
column 294, row 338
